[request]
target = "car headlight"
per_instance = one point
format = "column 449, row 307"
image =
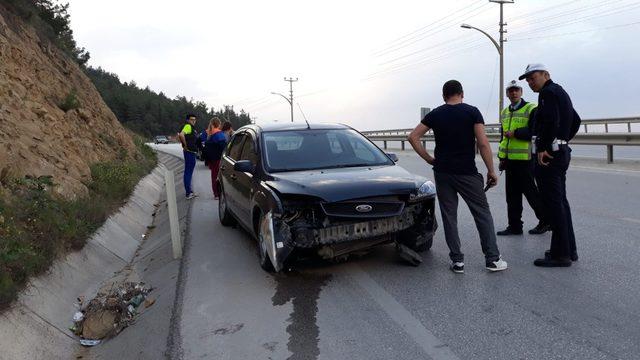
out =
column 427, row 189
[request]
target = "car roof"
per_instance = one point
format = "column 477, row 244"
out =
column 268, row 127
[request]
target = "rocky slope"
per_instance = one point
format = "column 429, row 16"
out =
column 37, row 137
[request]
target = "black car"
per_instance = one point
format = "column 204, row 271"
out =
column 321, row 189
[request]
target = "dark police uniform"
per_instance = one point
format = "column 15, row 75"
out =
column 556, row 124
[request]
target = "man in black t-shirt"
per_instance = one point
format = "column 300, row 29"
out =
column 456, row 128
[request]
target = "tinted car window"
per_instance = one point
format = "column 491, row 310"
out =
column 235, row 147
column 248, row 151
column 319, row 149
column 334, row 144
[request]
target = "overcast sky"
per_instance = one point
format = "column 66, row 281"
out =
column 369, row 64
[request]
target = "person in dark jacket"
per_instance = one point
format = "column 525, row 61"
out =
column 213, row 149
column 457, row 128
column 556, row 124
column 514, row 153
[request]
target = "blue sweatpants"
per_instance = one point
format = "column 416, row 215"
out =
column 189, row 166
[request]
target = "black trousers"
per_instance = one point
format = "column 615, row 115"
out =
column 552, row 184
column 520, row 181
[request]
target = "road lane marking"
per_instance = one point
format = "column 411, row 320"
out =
column 631, row 220
column 433, row 346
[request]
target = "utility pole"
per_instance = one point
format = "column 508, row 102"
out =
column 502, row 41
column 291, row 81
column 500, row 47
column 227, row 108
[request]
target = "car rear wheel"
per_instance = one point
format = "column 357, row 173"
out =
column 226, row 219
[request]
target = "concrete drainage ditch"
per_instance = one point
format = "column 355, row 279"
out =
column 133, row 246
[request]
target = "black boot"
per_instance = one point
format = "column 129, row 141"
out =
column 510, row 231
column 547, row 255
column 553, row 262
column 541, row 228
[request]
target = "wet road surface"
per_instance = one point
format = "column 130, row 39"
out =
column 376, row 307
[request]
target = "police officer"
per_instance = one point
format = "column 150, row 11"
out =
column 514, row 153
column 556, row 124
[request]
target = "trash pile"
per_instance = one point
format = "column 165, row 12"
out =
column 109, row 312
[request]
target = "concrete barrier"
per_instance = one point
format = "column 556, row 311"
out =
column 36, row 327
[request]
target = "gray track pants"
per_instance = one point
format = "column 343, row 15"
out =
column 470, row 188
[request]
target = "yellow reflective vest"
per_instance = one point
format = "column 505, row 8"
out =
column 512, row 148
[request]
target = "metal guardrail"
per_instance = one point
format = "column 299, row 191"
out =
column 609, row 139
column 496, row 127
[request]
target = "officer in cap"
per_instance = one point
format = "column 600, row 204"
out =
column 556, row 124
column 514, row 153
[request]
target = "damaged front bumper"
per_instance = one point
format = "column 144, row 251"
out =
column 334, row 236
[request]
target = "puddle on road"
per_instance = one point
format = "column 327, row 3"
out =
column 303, row 290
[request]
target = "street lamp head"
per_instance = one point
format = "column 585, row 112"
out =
column 466, row 26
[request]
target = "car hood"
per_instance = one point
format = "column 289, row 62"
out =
column 347, row 183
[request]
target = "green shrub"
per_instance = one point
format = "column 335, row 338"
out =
column 70, row 102
column 36, row 227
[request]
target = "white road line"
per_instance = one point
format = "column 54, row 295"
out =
column 435, row 348
column 631, row 220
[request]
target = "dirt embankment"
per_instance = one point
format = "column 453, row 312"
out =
column 37, row 137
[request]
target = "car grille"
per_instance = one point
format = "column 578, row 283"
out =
column 363, row 230
column 363, row 209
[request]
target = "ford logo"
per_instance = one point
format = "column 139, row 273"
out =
column 364, row 208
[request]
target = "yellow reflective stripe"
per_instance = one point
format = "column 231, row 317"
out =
column 517, row 151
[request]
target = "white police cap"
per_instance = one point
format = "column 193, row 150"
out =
column 513, row 84
column 533, row 68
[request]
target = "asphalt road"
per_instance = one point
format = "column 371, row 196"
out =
column 376, row 307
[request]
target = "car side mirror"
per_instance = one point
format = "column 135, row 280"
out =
column 393, row 157
column 243, row 166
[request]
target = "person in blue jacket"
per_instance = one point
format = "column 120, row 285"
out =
column 213, row 149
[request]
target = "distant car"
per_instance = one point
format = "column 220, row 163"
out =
column 161, row 139
column 321, row 190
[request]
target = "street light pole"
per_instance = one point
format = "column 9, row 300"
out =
column 289, row 101
column 500, row 47
column 291, row 81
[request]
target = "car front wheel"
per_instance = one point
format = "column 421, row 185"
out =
column 265, row 261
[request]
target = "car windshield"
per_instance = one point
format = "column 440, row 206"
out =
column 319, row 149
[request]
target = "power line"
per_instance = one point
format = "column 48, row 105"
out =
column 571, row 14
column 401, row 38
column 431, row 32
column 578, row 32
column 445, row 51
column 433, row 59
column 625, row 8
column 493, row 81
column 543, row 10
column 447, row 42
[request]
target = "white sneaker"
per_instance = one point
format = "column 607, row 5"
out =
column 191, row 196
column 457, row 267
column 497, row 265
